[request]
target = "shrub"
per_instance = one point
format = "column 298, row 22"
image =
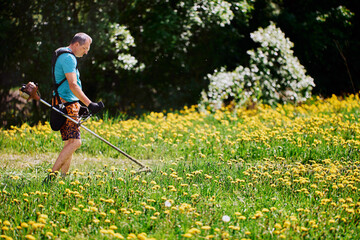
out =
column 274, row 75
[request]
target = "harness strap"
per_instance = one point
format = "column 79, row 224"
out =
column 56, row 54
column 69, row 103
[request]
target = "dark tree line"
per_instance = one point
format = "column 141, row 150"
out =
column 175, row 43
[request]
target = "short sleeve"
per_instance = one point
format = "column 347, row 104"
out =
column 69, row 63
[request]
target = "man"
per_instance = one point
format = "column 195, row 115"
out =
column 71, row 91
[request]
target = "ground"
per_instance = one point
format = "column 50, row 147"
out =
column 80, row 161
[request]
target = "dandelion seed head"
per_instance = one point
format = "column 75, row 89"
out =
column 226, row 218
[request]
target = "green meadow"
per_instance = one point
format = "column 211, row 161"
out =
column 290, row 172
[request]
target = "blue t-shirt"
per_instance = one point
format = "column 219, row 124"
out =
column 66, row 63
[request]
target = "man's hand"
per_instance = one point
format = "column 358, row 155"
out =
column 95, row 107
column 83, row 111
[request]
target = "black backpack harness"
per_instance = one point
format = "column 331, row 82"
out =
column 57, row 54
column 56, row 119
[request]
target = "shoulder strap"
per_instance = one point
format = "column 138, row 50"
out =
column 55, row 56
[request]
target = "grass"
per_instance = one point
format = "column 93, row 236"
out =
column 290, row 172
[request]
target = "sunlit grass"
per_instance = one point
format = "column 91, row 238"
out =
column 291, row 173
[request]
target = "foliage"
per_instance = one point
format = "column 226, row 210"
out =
column 323, row 37
column 120, row 42
column 180, row 43
column 285, row 172
column 274, row 75
column 173, row 45
column 154, row 38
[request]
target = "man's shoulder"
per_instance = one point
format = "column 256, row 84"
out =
column 66, row 56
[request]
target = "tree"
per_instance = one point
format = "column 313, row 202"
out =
column 173, row 46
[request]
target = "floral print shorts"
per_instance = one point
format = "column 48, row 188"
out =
column 71, row 130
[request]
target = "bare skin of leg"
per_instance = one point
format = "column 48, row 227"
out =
column 64, row 159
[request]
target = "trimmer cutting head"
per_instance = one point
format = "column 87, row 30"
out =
column 144, row 169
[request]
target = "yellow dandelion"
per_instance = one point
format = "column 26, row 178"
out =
column 187, row 235
column 194, row 231
column 278, row 226
column 236, row 228
column 30, row 237
column 304, row 229
column 6, row 223
column 206, row 227
column 113, row 227
column 118, row 236
column 265, row 210
column 41, row 220
column 287, row 224
column 332, row 221
column 94, row 209
column 350, row 210
column 142, row 236
column 131, row 236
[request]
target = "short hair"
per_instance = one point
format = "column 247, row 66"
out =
column 81, row 38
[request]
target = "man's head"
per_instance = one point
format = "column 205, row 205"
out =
column 80, row 44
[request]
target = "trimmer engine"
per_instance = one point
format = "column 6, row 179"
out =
column 30, row 91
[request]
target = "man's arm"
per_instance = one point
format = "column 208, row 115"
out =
column 72, row 80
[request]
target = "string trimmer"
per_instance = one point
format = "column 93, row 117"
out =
column 30, row 91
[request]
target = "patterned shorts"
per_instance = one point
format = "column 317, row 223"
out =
column 71, row 130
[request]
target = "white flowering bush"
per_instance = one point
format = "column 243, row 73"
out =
column 202, row 13
column 217, row 11
column 274, row 75
column 122, row 39
column 235, row 86
column 120, row 43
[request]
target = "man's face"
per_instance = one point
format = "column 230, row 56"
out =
column 81, row 50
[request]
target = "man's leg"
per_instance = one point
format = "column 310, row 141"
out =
column 64, row 159
column 70, row 134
